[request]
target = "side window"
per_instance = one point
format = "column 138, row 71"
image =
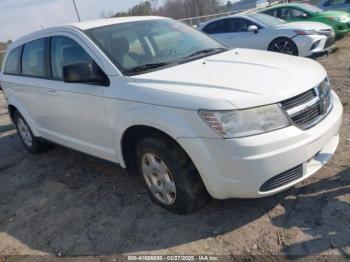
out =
column 272, row 12
column 65, row 51
column 33, row 59
column 283, row 13
column 13, row 61
column 216, row 27
column 236, row 25
column 299, row 14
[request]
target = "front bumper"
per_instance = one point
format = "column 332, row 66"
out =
column 237, row 168
column 305, row 44
column 342, row 29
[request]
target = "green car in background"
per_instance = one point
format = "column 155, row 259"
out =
column 338, row 20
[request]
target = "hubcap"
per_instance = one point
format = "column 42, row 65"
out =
column 24, row 132
column 158, row 178
column 283, row 47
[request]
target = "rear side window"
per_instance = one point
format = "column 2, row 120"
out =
column 33, row 59
column 12, row 65
column 65, row 51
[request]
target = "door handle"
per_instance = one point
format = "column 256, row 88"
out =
column 53, row 92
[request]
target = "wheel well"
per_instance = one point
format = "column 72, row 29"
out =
column 12, row 110
column 129, row 142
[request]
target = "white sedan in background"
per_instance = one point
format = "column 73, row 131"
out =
column 260, row 31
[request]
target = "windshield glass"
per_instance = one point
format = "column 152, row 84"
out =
column 311, row 8
column 267, row 20
column 137, row 47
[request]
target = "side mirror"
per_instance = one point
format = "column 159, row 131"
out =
column 253, row 28
column 84, row 73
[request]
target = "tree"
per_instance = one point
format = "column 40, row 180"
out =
column 177, row 9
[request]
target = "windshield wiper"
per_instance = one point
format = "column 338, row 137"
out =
column 205, row 51
column 144, row 67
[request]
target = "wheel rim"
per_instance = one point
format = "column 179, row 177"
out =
column 283, row 46
column 24, row 132
column 158, row 178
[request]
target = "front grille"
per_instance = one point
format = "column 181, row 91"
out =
column 299, row 99
column 282, row 179
column 308, row 116
column 309, row 108
column 329, row 42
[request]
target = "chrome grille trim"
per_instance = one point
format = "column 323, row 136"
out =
column 302, row 108
column 306, row 110
column 299, row 99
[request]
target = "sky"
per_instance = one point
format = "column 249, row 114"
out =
column 20, row 17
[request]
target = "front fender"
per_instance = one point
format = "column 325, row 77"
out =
column 177, row 123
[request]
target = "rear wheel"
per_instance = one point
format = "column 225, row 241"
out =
column 283, row 45
column 171, row 178
column 31, row 143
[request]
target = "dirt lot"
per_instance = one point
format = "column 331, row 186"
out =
column 63, row 202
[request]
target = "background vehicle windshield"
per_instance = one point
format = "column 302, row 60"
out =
column 2, row 55
column 134, row 44
column 311, row 8
column 267, row 20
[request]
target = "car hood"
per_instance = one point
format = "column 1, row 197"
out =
column 241, row 78
column 335, row 14
column 303, row 26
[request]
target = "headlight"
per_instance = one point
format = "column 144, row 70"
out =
column 247, row 122
column 342, row 19
column 306, row 32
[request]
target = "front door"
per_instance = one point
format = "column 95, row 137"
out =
column 85, row 113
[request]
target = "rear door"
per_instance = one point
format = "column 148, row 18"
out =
column 217, row 29
column 84, row 119
column 47, row 102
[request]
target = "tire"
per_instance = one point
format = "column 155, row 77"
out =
column 31, row 143
column 284, row 45
column 172, row 180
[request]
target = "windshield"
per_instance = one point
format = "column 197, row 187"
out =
column 311, row 8
column 137, row 47
column 267, row 20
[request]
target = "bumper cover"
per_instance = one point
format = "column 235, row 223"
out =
column 237, row 168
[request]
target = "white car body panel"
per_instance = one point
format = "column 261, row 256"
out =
column 93, row 119
column 263, row 38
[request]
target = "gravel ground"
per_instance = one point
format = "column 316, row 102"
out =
column 65, row 203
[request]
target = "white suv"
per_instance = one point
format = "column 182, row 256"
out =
column 168, row 102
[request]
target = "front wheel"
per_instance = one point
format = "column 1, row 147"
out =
column 283, row 45
column 171, row 178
